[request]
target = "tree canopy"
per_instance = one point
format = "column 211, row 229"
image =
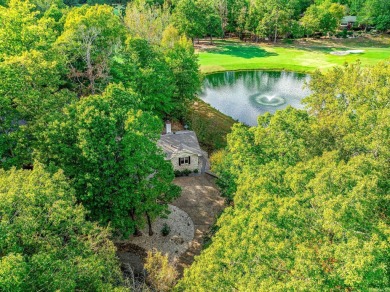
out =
column 310, row 194
column 45, row 241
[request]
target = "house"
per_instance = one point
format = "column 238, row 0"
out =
column 347, row 22
column 183, row 150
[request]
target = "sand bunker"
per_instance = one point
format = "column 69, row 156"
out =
column 344, row 53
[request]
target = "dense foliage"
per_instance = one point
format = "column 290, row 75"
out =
column 310, row 194
column 85, row 93
column 46, row 244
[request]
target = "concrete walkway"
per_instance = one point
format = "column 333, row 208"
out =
column 201, row 200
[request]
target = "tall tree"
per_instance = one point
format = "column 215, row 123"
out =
column 181, row 58
column 324, row 18
column 91, row 38
column 376, row 13
column 143, row 68
column 117, row 170
column 147, row 21
column 188, row 19
column 30, row 92
column 23, row 29
column 46, row 244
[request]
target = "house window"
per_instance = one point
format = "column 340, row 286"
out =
column 184, row 160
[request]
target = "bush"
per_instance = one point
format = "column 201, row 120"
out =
column 160, row 274
column 165, row 229
column 186, row 172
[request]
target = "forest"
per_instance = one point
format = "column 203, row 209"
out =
column 84, row 89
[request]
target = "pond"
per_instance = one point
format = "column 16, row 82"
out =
column 244, row 95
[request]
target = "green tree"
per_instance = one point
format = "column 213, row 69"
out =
column 376, row 13
column 188, row 19
column 23, row 29
column 92, row 36
column 212, row 22
column 110, row 153
column 143, row 68
column 146, row 21
column 324, row 18
column 29, row 93
column 180, row 57
column 45, row 241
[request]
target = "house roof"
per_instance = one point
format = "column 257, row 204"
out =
column 348, row 19
column 180, row 142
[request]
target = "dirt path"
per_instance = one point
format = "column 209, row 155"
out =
column 200, row 199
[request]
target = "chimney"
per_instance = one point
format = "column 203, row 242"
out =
column 168, row 128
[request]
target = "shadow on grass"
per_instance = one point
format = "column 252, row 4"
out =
column 247, row 52
column 321, row 49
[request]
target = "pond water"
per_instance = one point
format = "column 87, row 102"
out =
column 244, row 95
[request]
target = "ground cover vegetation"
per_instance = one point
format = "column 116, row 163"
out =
column 309, row 191
column 299, row 55
column 82, row 99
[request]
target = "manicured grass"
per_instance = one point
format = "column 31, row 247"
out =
column 302, row 56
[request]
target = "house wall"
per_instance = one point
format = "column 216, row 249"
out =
column 192, row 166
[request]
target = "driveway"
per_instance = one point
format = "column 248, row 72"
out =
column 201, row 200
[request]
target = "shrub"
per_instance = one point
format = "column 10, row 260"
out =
column 160, row 274
column 165, row 229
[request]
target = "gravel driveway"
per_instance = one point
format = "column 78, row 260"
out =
column 201, row 200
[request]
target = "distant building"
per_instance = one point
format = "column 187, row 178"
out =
column 348, row 22
column 183, row 150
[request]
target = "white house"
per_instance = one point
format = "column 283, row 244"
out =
column 183, row 150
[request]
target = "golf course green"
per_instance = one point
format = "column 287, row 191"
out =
column 300, row 56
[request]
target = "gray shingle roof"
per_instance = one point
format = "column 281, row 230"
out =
column 181, row 141
column 348, row 18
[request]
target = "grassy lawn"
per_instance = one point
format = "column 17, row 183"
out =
column 302, row 56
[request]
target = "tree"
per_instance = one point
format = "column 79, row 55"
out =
column 161, row 275
column 144, row 69
column 324, row 18
column 109, row 152
column 91, row 38
column 29, row 94
column 188, row 19
column 212, row 21
column 180, row 57
column 146, row 21
column 22, row 29
column 376, row 13
column 45, row 242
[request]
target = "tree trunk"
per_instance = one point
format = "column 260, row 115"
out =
column 90, row 75
column 149, row 224
column 136, row 230
column 276, row 34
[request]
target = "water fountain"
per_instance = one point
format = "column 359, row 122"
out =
column 268, row 100
column 244, row 95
